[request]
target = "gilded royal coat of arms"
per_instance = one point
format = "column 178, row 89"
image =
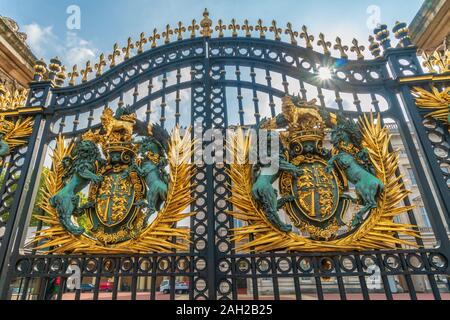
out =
column 132, row 202
column 340, row 196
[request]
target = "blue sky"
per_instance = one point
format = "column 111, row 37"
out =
column 104, row 22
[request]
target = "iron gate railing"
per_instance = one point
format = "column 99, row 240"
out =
column 220, row 82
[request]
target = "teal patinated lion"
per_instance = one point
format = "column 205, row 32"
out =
column 80, row 172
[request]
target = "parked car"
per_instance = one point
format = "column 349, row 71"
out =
column 86, row 287
column 106, row 286
column 180, row 287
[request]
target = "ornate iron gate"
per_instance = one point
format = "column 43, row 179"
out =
column 219, row 82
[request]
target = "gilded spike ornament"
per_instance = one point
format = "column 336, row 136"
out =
column 193, row 28
column 292, row 34
column 261, row 29
column 112, row 57
column 308, row 38
column 100, row 65
column 141, row 42
column 247, row 28
column 206, row 25
column 437, row 102
column 167, row 33
column 61, row 76
column 220, row 28
column 86, row 71
column 154, row 37
column 73, row 76
column 313, row 185
column 133, row 203
column 341, row 48
column 179, row 30
column 276, row 31
column 128, row 49
column 357, row 49
column 324, row 44
column 234, row 27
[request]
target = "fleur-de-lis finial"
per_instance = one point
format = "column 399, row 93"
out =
column 428, row 62
column 206, row 24
column 85, row 72
column 127, row 50
column 342, row 48
column 374, row 48
column 325, row 44
column 73, row 75
column 277, row 31
column 166, row 34
column 247, row 28
column 193, row 28
column 113, row 55
column 308, row 38
column 154, row 37
column 99, row 66
column 233, row 26
column 180, row 30
column 292, row 34
column 262, row 29
column 220, row 28
column 140, row 44
column 358, row 49
column 61, row 76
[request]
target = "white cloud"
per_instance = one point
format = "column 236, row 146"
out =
column 71, row 50
column 40, row 39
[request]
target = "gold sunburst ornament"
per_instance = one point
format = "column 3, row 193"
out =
column 375, row 229
column 126, row 191
column 437, row 102
column 13, row 134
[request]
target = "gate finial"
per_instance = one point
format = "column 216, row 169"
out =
column 220, row 28
column 206, row 24
column 167, row 33
column 85, row 72
column 154, row 37
column 262, row 29
column 325, row 44
column 234, row 27
column 357, row 49
column 73, row 75
column 277, row 31
column 100, row 65
column 374, row 47
column 141, row 42
column 180, row 30
column 127, row 50
column 401, row 33
column 112, row 57
column 40, row 70
column 293, row 34
column 308, row 38
column 193, row 27
column 382, row 35
column 342, row 48
column 247, row 28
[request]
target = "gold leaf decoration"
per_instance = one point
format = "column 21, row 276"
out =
column 15, row 132
column 378, row 231
column 438, row 102
column 157, row 237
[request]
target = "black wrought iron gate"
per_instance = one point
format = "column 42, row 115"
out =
column 218, row 82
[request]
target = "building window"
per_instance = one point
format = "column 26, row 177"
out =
column 412, row 177
column 424, row 214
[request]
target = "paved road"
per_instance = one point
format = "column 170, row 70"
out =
column 328, row 296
